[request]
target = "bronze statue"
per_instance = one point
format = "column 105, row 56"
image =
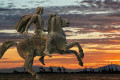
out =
column 37, row 45
column 25, row 22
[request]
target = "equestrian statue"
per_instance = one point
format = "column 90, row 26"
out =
column 42, row 44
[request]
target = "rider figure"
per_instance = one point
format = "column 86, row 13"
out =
column 38, row 23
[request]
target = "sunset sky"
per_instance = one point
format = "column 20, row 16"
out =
column 96, row 29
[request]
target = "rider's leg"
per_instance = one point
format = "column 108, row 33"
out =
column 47, row 44
column 28, row 63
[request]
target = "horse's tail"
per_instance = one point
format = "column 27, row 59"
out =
column 5, row 46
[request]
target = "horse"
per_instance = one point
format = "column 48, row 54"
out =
column 28, row 48
column 56, row 23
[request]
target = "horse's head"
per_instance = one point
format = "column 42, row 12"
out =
column 55, row 23
column 65, row 23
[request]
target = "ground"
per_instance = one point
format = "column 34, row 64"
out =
column 61, row 76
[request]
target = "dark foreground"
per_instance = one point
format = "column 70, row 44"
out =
column 61, row 76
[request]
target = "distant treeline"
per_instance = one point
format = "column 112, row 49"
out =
column 106, row 69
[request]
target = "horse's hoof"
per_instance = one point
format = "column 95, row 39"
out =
column 37, row 77
column 43, row 63
column 50, row 55
column 80, row 63
column 42, row 60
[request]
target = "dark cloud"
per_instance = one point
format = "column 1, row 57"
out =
column 68, row 31
column 95, row 41
column 3, row 9
column 89, row 23
column 9, row 17
column 98, row 28
column 12, row 36
column 116, row 14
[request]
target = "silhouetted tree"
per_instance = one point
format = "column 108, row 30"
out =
column 85, row 69
column 116, row 70
column 50, row 69
column 91, row 70
column 63, row 69
column 100, row 70
column 15, row 71
column 59, row 69
column 42, row 69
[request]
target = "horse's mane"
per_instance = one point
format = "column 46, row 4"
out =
column 20, row 26
column 49, row 22
column 57, row 24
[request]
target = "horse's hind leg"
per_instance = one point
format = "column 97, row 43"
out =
column 68, row 46
column 73, row 51
column 28, row 65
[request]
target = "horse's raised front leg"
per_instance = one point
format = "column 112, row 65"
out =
column 73, row 51
column 68, row 46
column 41, row 59
column 28, row 65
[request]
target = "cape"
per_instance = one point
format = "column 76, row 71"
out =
column 21, row 25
